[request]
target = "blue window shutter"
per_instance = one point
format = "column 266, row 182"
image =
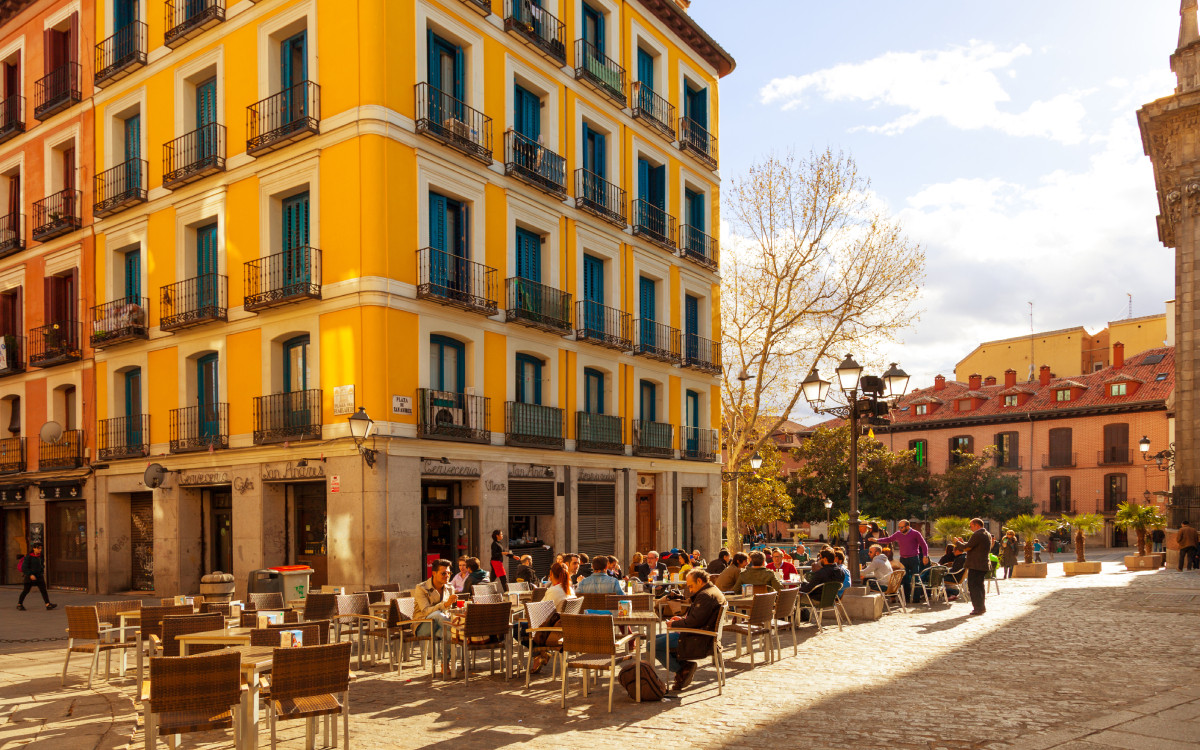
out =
column 458, row 73
column 593, row 279
column 206, row 103
column 658, row 186
column 645, row 68
column 601, row 163
column 434, row 71
column 529, row 255
column 295, row 211
column 124, row 13
column 646, row 287
column 643, row 179
column 695, row 209
column 133, row 137
column 133, row 392
column 206, row 250
column 528, row 113
column 437, row 221
column 649, row 408
column 695, row 105
column 133, row 276
column 691, row 315
column 593, row 381
column 593, row 27
column 464, row 233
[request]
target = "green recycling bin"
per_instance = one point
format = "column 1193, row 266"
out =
column 295, row 581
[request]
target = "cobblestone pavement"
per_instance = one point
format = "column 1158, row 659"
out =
column 1085, row 663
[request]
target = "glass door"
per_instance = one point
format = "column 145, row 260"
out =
column 311, row 530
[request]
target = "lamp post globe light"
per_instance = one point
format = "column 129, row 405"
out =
column 360, row 429
column 828, row 508
column 867, row 397
column 1164, row 459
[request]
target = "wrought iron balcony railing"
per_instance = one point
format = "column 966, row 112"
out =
column 1059, row 507
column 599, row 433
column 57, row 90
column 537, row 27
column 699, row 444
column 533, row 163
column 446, row 415
column 119, row 321
column 12, row 234
column 1112, row 502
column 12, row 354
column 57, row 214
column 657, row 340
column 698, row 142
column 55, row 343
column 119, row 188
column 534, row 425
column 199, row 428
column 285, row 277
column 603, row 325
column 287, row 416
column 1003, row 461
column 1058, row 460
column 124, row 437
column 653, row 223
column 121, row 54
column 12, row 455
column 12, row 117
column 193, row 156
column 483, row 7
column 598, row 196
column 289, row 116
column 455, row 281
column 653, row 439
column 537, row 306
column 68, row 452
column 446, row 119
column 192, row 302
column 698, row 247
column 654, row 110
column 600, row 71
column 190, row 18
column 1114, row 457
column 701, row 354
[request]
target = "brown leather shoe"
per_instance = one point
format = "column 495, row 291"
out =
column 683, row 678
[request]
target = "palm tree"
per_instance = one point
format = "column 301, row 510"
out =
column 839, row 525
column 951, row 527
column 1081, row 524
column 1140, row 518
column 1030, row 526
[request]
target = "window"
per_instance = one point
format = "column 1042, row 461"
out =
column 10, row 318
column 207, row 287
column 652, row 184
column 1116, row 389
column 295, row 364
column 529, row 379
column 647, row 293
column 593, row 279
column 695, row 104
column 593, row 27
column 446, row 67
column 922, row 409
column 691, row 421
column 959, row 445
column 208, row 396
column 64, row 407
column 648, row 409
column 59, row 51
column 593, row 153
column 1010, row 400
column 1060, row 494
column 1116, row 444
column 11, row 83
column 1062, row 394
column 1114, row 492
column 132, row 267
column 920, row 449
column 529, row 255
column 12, row 406
column 964, row 404
column 527, row 113
column 1060, row 447
column 448, row 225
column 60, row 300
column 593, row 391
column 1160, row 377
column 1007, row 453
column 447, row 364
column 691, row 326
column 645, row 70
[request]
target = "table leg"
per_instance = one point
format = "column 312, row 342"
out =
column 183, row 648
column 249, row 713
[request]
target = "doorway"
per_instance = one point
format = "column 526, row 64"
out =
column 15, row 541
column 66, row 545
column 221, row 504
column 450, row 531
column 141, row 547
column 311, row 529
column 647, row 518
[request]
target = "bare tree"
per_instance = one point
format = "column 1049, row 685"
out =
column 816, row 268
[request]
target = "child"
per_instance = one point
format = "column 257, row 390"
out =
column 1037, row 550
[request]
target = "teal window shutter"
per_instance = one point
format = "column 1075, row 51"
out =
column 593, row 386
column 649, row 397
column 593, row 279
column 695, row 105
column 295, row 364
column 643, row 180
column 437, row 221
column 529, row 379
column 658, row 186
column 529, row 255
column 695, row 209
column 645, row 68
column 447, row 364
column 646, row 289
column 206, row 103
column 527, row 118
column 133, row 277
column 593, row 27
column 691, row 315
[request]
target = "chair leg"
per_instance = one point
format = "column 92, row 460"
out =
column 95, row 665
column 612, row 678
column 271, row 718
column 70, row 644
column 345, row 722
column 148, row 726
column 564, row 682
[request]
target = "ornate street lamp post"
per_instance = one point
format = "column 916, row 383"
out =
column 735, row 534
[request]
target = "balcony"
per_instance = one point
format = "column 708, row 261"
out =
column 57, row 214
column 121, row 187
column 483, row 7
column 657, row 340
column 121, row 54
column 698, row 247
column 55, row 343
column 446, row 119
column 446, row 415
column 700, row 444
column 190, row 18
column 290, row 276
column 452, row 280
column 12, row 118
column 599, row 433
column 12, row 234
column 599, row 71
column 701, row 353
column 537, row 28
column 68, row 452
column 698, row 142
column 1058, row 461
column 653, row 439
column 57, row 90
column 283, row 417
column 1011, row 463
column 537, row 306
column 1059, row 507
column 199, row 428
column 533, row 425
column 12, row 354
column 286, row 117
column 120, row 321
column 193, row 302
column 598, row 196
column 534, row 164
column 1111, row 502
column 124, row 437
column 194, row 156
column 654, row 110
column 654, row 224
column 604, row 326
column 12, row 455
column 1114, row 457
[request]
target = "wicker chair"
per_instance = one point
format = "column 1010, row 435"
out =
column 320, row 607
column 107, row 612
column 538, row 594
column 718, row 659
column 572, row 606
column 374, row 596
column 193, row 694
column 591, row 636
column 308, row 683
column 520, row 586
column 271, row 600
column 403, row 628
column 270, row 636
column 485, row 627
column 895, row 592
column 486, row 588
column 321, row 625
column 641, row 602
column 83, row 624
column 354, row 618
column 537, row 614
column 596, row 602
column 489, row 599
column 785, row 616
column 152, row 618
column 221, row 608
column 250, row 619
column 173, row 627
column 391, row 587
column 756, row 623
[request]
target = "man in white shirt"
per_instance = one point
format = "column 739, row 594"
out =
column 877, row 571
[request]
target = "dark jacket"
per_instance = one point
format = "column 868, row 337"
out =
column 585, row 570
column 477, row 578
column 642, row 570
column 702, row 615
column 526, row 574
column 826, row 574
column 33, row 566
column 716, row 566
column 977, row 548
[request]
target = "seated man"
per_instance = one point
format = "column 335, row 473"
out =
column 433, row 597
column 727, row 579
column 757, row 574
column 720, row 563
column 878, row 570
column 678, row 652
column 800, row 556
column 956, row 563
column 599, row 582
column 840, row 560
column 826, row 572
column 781, row 566
column 476, row 576
column 652, row 565
column 525, row 571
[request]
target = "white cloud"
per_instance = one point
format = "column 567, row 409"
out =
column 961, row 85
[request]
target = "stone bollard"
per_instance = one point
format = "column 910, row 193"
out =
column 862, row 604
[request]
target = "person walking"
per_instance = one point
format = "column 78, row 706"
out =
column 976, row 547
column 1008, row 552
column 914, row 551
column 1188, row 540
column 1037, row 550
column 1158, row 536
column 33, row 573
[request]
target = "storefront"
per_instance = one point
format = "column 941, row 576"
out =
column 596, row 509
column 449, row 529
column 646, row 534
column 141, row 541
column 14, row 531
column 532, row 492
column 66, row 542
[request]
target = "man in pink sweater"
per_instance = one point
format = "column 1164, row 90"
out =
column 913, row 549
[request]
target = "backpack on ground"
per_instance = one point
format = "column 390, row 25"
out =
column 653, row 688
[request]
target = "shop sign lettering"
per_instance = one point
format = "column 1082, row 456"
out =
column 491, row 486
column 203, row 478
column 597, row 476
column 242, row 485
column 448, row 470
column 292, row 471
column 530, row 472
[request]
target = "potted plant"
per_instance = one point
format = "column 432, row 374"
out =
column 1029, row 527
column 1140, row 518
column 1082, row 524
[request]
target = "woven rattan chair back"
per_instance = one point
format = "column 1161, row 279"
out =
column 320, row 606
column 321, row 625
column 269, row 600
column 304, row 672
column 405, row 607
column 641, row 602
column 597, row 602
column 391, row 588
column 389, row 596
column 761, row 588
column 310, row 633
column 374, row 596
column 785, row 603
column 762, row 609
column 488, row 599
column 829, row 592
column 484, row 620
column 152, row 617
column 353, row 604
column 588, row 634
column 537, row 613
column 573, row 606
column 484, row 588
column 539, row 593
column 250, row 619
column 107, row 611
column 895, row 581
column 173, row 627
column 522, row 586
column 937, row 575
column 210, row 682
column 221, row 608
column 83, row 622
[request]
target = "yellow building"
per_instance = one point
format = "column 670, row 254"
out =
column 489, row 227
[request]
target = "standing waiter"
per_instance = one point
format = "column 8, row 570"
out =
column 977, row 548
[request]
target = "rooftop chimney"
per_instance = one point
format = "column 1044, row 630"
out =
column 1010, row 378
column 989, row 380
column 975, row 381
column 939, row 383
column 1044, row 375
column 1118, row 355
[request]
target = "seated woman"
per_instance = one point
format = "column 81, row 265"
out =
column 461, row 577
column 558, row 592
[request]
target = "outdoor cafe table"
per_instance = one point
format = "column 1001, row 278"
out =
column 224, row 637
column 255, row 661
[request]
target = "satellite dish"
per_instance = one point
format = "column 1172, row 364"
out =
column 153, row 478
column 51, row 433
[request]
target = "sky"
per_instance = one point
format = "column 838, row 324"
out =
column 1003, row 136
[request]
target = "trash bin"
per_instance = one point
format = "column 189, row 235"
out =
column 293, row 581
column 265, row 582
